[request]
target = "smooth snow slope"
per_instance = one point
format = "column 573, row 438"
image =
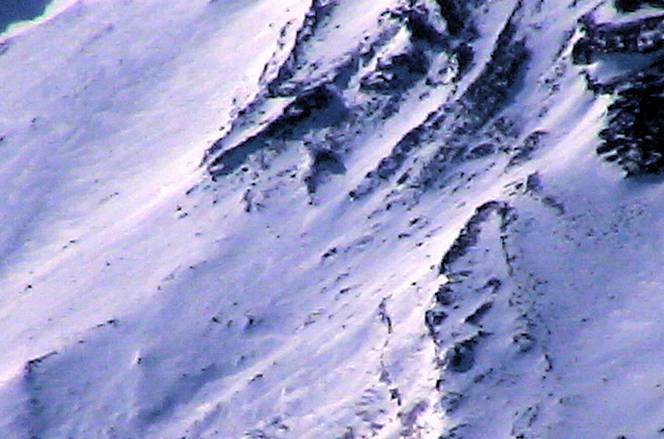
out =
column 332, row 219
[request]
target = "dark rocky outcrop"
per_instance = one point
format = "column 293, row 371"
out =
column 310, row 111
column 633, row 5
column 469, row 234
column 324, row 162
column 313, row 21
column 633, row 136
column 640, row 36
column 397, row 73
column 456, row 14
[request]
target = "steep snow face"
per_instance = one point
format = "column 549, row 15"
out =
column 332, row 219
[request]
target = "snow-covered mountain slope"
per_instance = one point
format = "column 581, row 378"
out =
column 332, row 219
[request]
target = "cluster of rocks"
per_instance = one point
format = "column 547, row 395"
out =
column 633, row 136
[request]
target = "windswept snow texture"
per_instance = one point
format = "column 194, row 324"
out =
column 332, row 219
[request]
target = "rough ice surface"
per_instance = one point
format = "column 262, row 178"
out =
column 332, row 219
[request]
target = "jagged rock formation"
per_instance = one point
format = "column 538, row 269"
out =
column 633, row 137
column 419, row 219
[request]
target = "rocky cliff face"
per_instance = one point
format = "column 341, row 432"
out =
column 333, row 219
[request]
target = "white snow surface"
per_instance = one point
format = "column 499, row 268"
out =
column 141, row 299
